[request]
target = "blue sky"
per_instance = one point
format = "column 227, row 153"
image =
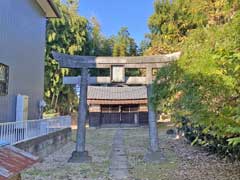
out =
column 114, row 14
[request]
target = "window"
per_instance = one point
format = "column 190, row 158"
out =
column 110, row 109
column 3, row 79
column 130, row 108
column 105, row 109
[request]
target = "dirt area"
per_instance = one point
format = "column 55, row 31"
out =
column 183, row 162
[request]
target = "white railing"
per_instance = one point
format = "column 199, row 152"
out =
column 14, row 132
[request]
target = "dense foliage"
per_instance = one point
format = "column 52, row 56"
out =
column 124, row 45
column 201, row 91
column 66, row 35
column 173, row 20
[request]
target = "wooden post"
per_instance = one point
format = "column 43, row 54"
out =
column 81, row 155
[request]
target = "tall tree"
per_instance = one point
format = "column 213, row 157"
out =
column 133, row 48
column 201, row 90
column 144, row 45
column 96, row 37
column 124, row 45
column 173, row 20
column 67, row 35
column 98, row 44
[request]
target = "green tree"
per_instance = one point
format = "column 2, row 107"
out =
column 144, row 45
column 98, row 44
column 96, row 38
column 66, row 35
column 124, row 45
column 203, row 85
column 172, row 21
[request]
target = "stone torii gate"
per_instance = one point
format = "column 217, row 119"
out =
column 117, row 67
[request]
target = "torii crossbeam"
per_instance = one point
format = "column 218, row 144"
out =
column 117, row 66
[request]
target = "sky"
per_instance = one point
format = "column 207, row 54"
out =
column 114, row 14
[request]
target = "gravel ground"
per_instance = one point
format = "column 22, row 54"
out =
column 183, row 162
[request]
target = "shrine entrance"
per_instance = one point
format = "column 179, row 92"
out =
column 121, row 99
column 117, row 106
column 119, row 114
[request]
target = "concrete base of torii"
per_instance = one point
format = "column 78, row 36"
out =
column 80, row 157
column 154, row 157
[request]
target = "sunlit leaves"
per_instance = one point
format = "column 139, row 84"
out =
column 234, row 141
column 66, row 35
column 123, row 44
column 204, row 85
column 173, row 20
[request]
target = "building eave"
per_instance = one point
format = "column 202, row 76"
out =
column 116, row 102
column 49, row 8
column 117, row 93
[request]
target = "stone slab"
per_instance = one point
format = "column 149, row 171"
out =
column 80, row 157
column 118, row 169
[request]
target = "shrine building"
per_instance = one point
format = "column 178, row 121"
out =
column 126, row 105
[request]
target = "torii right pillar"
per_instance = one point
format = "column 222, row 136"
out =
column 153, row 154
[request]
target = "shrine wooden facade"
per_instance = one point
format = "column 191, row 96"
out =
column 117, row 106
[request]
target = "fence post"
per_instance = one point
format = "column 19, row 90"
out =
column 25, row 129
column 13, row 132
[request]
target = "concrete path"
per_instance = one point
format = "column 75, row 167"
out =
column 119, row 164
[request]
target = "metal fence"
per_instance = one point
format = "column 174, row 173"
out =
column 14, row 132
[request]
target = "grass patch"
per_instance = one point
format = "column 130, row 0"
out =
column 136, row 142
column 98, row 143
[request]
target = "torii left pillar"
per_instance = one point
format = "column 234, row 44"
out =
column 80, row 155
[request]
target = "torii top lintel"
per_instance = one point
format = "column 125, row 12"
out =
column 73, row 61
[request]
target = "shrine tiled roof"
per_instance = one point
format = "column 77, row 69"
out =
column 117, row 93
